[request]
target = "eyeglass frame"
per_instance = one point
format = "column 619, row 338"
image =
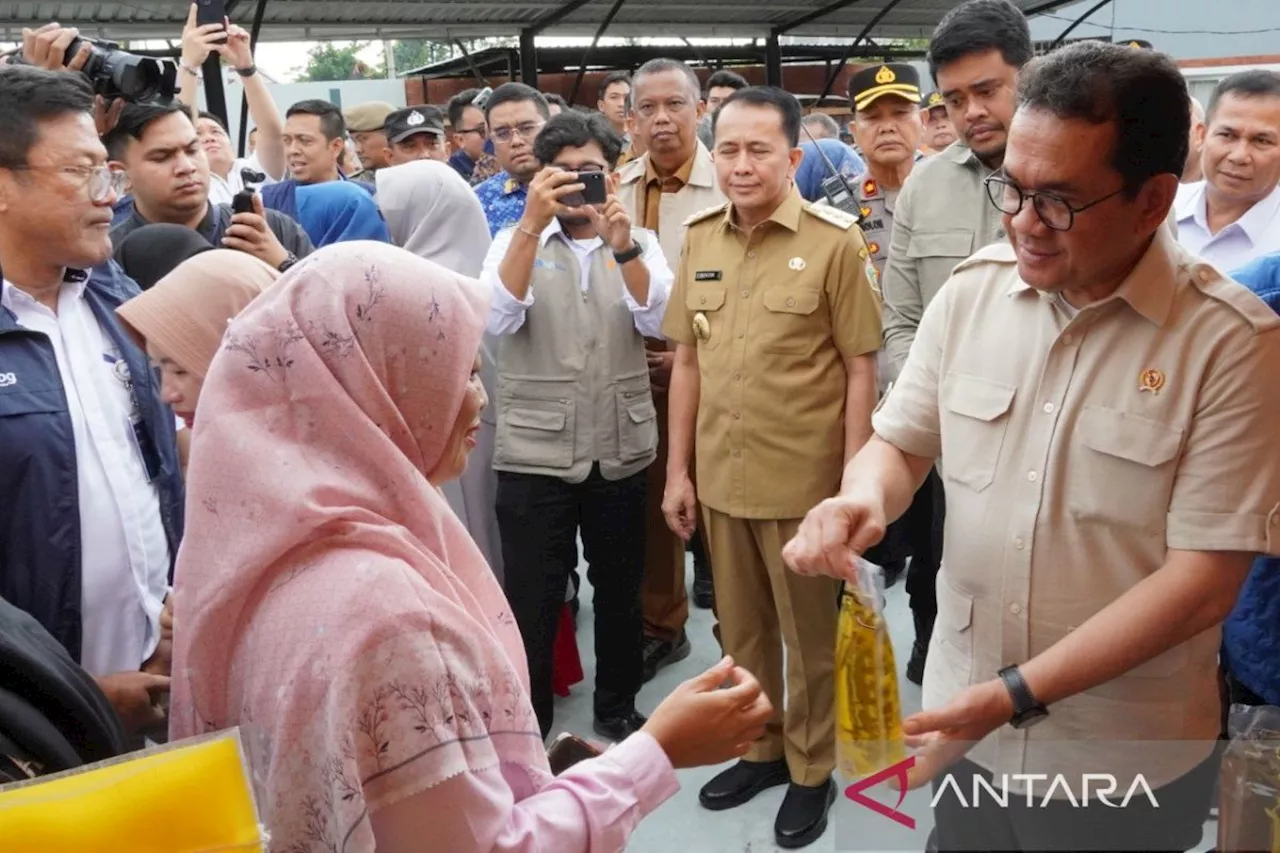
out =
column 479, row 128
column 1004, row 180
column 506, row 134
column 115, row 184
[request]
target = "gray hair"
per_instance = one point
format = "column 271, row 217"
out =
column 824, row 123
column 661, row 65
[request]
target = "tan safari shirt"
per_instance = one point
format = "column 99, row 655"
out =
column 777, row 310
column 1078, row 451
column 697, row 192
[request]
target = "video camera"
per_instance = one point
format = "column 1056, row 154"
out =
column 115, row 73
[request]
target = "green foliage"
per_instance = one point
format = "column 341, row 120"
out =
column 328, row 61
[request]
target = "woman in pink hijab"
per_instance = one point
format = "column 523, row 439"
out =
column 329, row 597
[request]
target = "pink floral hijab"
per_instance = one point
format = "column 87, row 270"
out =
column 326, row 594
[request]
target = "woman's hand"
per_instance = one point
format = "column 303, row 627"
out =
column 704, row 721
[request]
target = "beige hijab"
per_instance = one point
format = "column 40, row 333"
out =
column 187, row 312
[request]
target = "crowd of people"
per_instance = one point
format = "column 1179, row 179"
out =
column 307, row 440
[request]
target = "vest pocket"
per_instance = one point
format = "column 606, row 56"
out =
column 535, row 433
column 637, row 420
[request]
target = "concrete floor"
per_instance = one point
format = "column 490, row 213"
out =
column 682, row 826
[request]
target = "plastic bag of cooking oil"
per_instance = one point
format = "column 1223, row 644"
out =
column 868, row 713
column 1249, row 782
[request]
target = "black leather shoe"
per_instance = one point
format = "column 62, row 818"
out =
column 741, row 782
column 704, row 590
column 803, row 816
column 915, row 666
column 660, row 653
column 619, row 728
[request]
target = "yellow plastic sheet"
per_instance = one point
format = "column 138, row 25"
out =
column 868, row 711
column 190, row 797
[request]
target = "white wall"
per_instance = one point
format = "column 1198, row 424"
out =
column 346, row 93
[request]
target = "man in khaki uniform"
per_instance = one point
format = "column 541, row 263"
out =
column 1098, row 397
column 674, row 179
column 367, row 124
column 776, row 325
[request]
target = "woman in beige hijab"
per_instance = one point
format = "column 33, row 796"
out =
column 433, row 213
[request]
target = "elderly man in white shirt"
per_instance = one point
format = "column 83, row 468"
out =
column 1232, row 217
column 575, row 291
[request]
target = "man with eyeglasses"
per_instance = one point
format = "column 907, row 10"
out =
column 1096, row 395
column 472, row 156
column 514, row 114
column 91, row 513
column 673, row 180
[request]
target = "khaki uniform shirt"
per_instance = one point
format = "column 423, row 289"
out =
column 778, row 310
column 942, row 217
column 1078, row 450
column 698, row 192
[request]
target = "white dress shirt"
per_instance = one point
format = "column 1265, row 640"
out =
column 506, row 313
column 1253, row 235
column 223, row 191
column 124, row 564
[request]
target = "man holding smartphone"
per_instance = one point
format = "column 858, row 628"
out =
column 576, row 289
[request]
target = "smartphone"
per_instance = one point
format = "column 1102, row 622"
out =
column 567, row 750
column 482, row 98
column 593, row 187
column 242, row 202
column 211, row 12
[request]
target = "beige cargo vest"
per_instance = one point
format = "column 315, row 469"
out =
column 573, row 382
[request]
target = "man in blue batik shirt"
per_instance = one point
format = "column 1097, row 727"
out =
column 515, row 114
column 1251, row 634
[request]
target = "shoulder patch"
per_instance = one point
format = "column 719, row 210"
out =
column 997, row 253
column 706, row 213
column 1208, row 280
column 631, row 171
column 831, row 215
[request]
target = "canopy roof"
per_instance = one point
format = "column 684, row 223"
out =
column 298, row 20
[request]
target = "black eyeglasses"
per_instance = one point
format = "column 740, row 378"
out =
column 1054, row 210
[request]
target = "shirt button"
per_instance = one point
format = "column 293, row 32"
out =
column 1205, row 275
column 1048, row 408
column 1015, row 608
column 741, row 335
column 1032, row 476
column 737, row 453
column 1018, row 543
column 746, row 294
column 1068, row 339
column 751, row 254
column 791, row 303
column 737, row 377
column 737, row 415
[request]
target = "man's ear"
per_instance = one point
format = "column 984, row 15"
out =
column 337, row 146
column 1155, row 200
column 796, row 155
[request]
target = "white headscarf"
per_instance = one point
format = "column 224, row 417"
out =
column 434, row 213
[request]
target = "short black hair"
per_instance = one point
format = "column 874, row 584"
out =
column 134, row 121
column 458, row 103
column 1141, row 92
column 662, row 65
column 976, row 27
column 774, row 98
column 332, row 124
column 29, row 96
column 216, row 118
column 724, row 78
column 559, row 101
column 514, row 93
column 574, row 130
column 1255, row 83
column 612, row 78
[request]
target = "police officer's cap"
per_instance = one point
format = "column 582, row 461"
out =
column 934, row 101
column 367, row 117
column 876, row 81
column 402, row 124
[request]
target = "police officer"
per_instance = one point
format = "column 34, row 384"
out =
column 367, row 124
column 939, row 132
column 415, row 133
column 886, row 126
column 797, row 277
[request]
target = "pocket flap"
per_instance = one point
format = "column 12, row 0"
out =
column 975, row 397
column 951, row 244
column 705, row 299
column 548, row 421
column 21, row 401
column 788, row 301
column 955, row 609
column 641, row 412
column 1130, row 437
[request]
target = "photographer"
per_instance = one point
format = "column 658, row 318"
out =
column 92, row 513
column 159, row 149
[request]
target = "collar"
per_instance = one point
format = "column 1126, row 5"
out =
column 1149, row 287
column 682, row 174
column 205, row 228
column 75, row 280
column 786, row 214
column 962, row 155
column 1254, row 223
column 510, row 186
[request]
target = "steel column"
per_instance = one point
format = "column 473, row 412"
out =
column 848, row 52
column 254, row 30
column 528, row 58
column 772, row 61
column 586, row 54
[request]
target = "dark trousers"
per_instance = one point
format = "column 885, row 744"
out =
column 539, row 519
column 924, row 521
column 1177, row 825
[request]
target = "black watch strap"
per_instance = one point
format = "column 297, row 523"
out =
column 1027, row 710
column 631, row 254
column 287, row 262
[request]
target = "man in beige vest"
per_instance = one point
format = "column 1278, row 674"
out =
column 672, row 181
column 575, row 291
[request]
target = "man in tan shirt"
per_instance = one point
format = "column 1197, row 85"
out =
column 776, row 325
column 1101, row 400
column 673, row 180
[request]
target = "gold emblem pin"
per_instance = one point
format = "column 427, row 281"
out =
column 701, row 327
column 1151, row 380
column 796, row 264
column 885, row 75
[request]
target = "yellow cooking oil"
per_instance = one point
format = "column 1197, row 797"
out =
column 868, row 710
